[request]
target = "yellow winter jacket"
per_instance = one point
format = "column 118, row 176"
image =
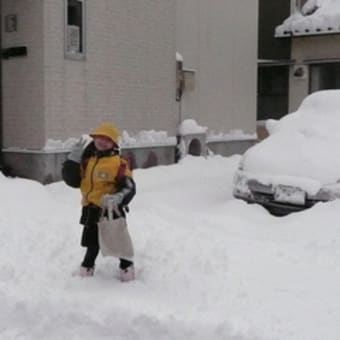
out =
column 99, row 177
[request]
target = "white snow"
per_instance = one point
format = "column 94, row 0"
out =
column 144, row 138
column 232, row 135
column 302, row 147
column 190, row 126
column 315, row 17
column 179, row 57
column 52, row 145
column 208, row 266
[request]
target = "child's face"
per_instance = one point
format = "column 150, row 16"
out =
column 103, row 143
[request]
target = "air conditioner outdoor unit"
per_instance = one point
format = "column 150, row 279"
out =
column 73, row 39
column 300, row 71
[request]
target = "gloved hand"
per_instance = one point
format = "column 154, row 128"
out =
column 77, row 150
column 109, row 201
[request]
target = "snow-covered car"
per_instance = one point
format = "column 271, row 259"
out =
column 298, row 165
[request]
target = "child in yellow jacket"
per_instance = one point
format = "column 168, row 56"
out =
column 104, row 178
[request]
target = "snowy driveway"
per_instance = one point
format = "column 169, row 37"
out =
column 208, row 266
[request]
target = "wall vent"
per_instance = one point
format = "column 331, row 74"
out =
column 300, row 71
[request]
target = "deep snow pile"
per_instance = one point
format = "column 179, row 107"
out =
column 208, row 266
column 302, row 146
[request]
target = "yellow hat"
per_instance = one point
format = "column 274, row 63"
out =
column 107, row 130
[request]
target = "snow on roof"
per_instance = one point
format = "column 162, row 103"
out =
column 190, row 126
column 315, row 17
column 179, row 57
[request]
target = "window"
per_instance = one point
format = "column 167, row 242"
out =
column 272, row 96
column 74, row 29
column 324, row 77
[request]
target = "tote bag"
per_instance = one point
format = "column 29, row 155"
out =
column 113, row 235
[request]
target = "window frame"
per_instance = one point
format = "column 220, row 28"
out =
column 78, row 55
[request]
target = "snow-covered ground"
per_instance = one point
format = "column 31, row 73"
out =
column 208, row 266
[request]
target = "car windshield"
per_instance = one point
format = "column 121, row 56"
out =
column 302, row 144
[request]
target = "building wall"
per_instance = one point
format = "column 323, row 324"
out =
column 304, row 47
column 218, row 39
column 304, row 52
column 128, row 76
column 22, row 77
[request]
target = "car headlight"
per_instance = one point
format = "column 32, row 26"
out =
column 240, row 164
column 328, row 193
column 241, row 187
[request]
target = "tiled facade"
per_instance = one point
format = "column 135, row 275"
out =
column 218, row 41
column 23, row 121
column 127, row 75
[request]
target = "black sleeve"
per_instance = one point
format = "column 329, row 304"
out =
column 71, row 173
column 127, row 186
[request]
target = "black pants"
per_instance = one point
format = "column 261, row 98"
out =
column 89, row 239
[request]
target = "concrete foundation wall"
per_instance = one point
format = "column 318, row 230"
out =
column 46, row 167
column 230, row 148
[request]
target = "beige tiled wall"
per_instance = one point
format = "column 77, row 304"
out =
column 128, row 76
column 22, row 77
column 218, row 40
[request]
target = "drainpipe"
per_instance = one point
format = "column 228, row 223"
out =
column 179, row 92
column 3, row 168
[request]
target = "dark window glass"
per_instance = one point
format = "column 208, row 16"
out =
column 272, row 97
column 324, row 77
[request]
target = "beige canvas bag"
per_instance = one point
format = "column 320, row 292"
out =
column 113, row 235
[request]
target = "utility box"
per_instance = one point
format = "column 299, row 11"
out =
column 189, row 80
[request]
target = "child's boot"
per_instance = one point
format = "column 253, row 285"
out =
column 86, row 272
column 127, row 274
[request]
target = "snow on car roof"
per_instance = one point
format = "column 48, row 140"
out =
column 302, row 145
